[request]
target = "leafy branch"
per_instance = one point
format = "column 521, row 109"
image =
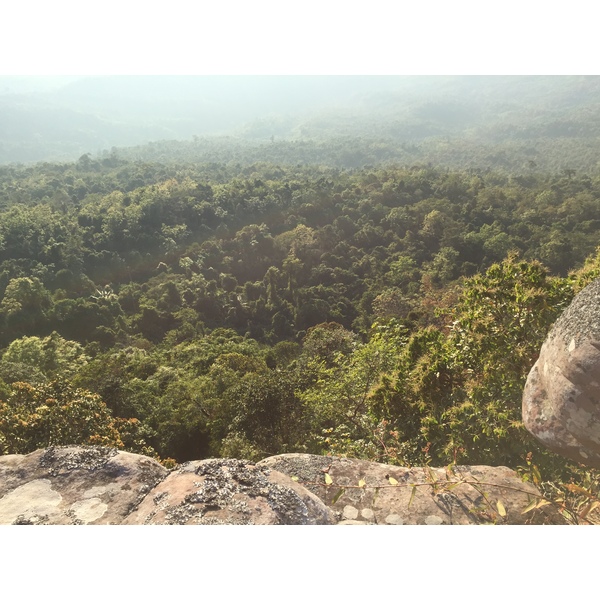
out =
column 572, row 514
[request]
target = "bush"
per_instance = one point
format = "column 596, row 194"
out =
column 57, row 414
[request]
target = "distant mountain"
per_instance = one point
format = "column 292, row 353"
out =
column 56, row 119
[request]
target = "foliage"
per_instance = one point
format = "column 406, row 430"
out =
column 457, row 396
column 385, row 312
column 340, row 397
column 56, row 413
column 50, row 356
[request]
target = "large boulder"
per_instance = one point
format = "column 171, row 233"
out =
column 369, row 493
column 94, row 485
column 561, row 399
column 74, row 485
column 229, row 491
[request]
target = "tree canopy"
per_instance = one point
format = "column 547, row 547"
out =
column 389, row 313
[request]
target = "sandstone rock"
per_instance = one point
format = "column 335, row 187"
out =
column 93, row 485
column 381, row 503
column 74, row 485
column 230, row 491
column 561, row 399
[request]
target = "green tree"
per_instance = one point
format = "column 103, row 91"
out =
column 267, row 412
column 25, row 307
column 56, row 413
column 325, row 341
column 339, row 399
column 52, row 356
column 458, row 396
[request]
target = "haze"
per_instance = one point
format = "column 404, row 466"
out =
column 61, row 118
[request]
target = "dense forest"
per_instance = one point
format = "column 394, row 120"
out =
column 217, row 297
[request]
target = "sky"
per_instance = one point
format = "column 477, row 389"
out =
column 417, row 37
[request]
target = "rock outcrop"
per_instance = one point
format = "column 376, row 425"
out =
column 93, row 485
column 368, row 493
column 228, row 491
column 76, row 485
column 561, row 399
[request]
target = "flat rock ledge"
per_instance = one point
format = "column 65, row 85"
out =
column 368, row 493
column 77, row 485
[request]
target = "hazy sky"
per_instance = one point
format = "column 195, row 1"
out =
column 307, row 36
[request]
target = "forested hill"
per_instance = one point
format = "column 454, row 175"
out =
column 512, row 124
column 201, row 310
